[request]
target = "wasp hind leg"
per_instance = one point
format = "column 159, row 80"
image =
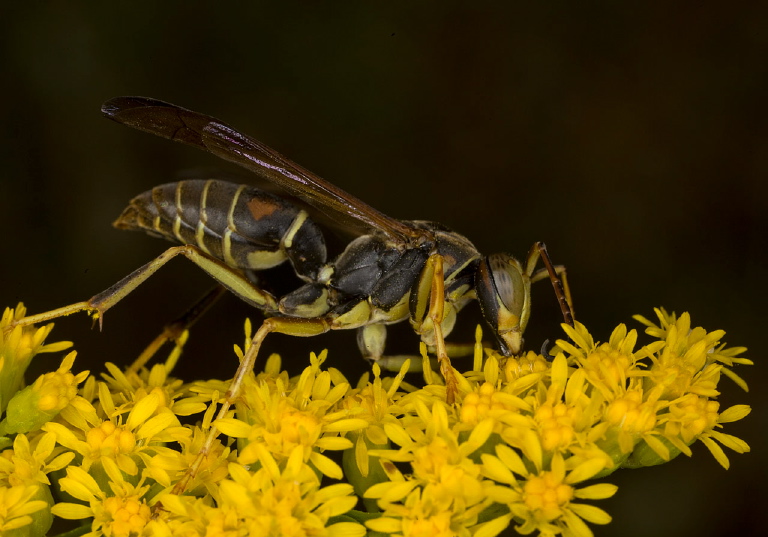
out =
column 228, row 277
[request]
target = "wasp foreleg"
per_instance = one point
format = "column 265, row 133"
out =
column 437, row 314
column 431, row 317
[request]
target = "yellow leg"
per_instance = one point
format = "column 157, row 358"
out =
column 97, row 305
column 283, row 325
column 428, row 314
column 436, row 314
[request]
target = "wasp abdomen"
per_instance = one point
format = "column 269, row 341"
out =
column 243, row 226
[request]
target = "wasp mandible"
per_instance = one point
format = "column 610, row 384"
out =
column 392, row 271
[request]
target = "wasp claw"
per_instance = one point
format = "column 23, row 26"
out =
column 544, row 351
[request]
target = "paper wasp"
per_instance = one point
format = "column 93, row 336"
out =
column 394, row 270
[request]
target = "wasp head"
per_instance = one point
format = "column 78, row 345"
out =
column 503, row 291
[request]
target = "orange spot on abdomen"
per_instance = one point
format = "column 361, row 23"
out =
column 261, row 208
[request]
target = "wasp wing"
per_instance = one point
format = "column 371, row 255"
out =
column 208, row 133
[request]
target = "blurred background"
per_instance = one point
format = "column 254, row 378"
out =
column 633, row 140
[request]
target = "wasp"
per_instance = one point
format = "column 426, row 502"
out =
column 392, row 271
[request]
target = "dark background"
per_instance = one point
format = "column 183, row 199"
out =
column 633, row 140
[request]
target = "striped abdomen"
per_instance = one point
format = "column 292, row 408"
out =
column 243, row 226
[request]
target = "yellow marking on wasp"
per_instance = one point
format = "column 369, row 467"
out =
column 177, row 218
column 325, row 274
column 226, row 239
column 231, row 213
column 359, row 315
column 226, row 248
column 396, row 313
column 264, row 259
column 204, row 203
column 455, row 271
column 177, row 229
column 203, row 220
column 318, row 307
column 287, row 240
column 200, row 237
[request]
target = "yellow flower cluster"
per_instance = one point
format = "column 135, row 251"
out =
column 523, row 445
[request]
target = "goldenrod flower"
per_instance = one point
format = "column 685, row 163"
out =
column 491, row 400
column 283, row 500
column 658, row 399
column 169, row 467
column 31, row 462
column 190, row 516
column 18, row 345
column 120, row 511
column 276, row 418
column 727, row 356
column 524, row 443
column 129, row 441
column 28, row 464
column 420, row 515
column 128, row 387
column 136, row 382
column 709, row 436
column 377, row 403
column 682, row 381
column 39, row 403
column 528, row 367
column 17, row 505
column 26, row 467
column 445, row 491
column 608, row 366
column 543, row 499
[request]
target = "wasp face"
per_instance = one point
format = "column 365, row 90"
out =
column 503, row 290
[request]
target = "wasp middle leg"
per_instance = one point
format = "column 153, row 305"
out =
column 283, row 325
